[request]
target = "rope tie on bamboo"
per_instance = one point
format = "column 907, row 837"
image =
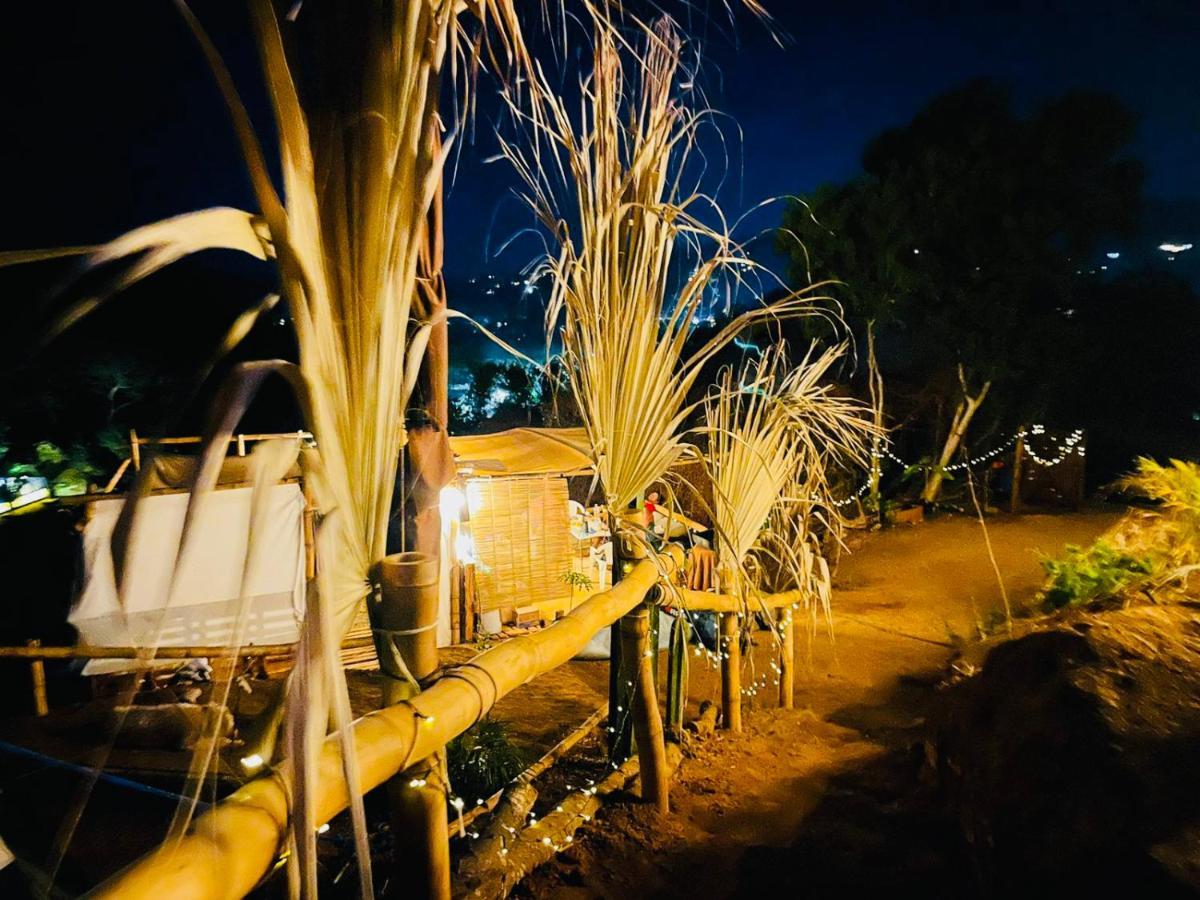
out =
column 460, row 672
column 396, row 658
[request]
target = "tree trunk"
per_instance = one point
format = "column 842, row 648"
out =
column 963, row 414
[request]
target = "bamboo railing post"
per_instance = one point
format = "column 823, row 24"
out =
column 677, row 676
column 731, row 672
column 37, row 675
column 787, row 657
column 404, row 622
column 621, row 668
column 647, row 723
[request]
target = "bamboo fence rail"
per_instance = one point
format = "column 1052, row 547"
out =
column 235, row 844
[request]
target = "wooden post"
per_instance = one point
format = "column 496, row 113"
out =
column 731, row 672
column 647, row 723
column 135, row 450
column 677, row 676
column 37, row 675
column 621, row 668
column 787, row 657
column 1014, row 504
column 468, row 594
column 406, row 618
column 458, row 626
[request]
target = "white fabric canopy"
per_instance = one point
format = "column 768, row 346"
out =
column 205, row 606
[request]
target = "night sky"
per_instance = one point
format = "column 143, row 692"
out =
column 109, row 117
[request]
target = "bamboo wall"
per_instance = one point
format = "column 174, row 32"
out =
column 521, row 531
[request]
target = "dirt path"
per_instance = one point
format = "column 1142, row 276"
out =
column 825, row 799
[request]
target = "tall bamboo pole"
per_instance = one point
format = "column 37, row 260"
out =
column 408, row 620
column 647, row 723
column 731, row 672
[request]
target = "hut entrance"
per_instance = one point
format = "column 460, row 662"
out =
column 522, row 535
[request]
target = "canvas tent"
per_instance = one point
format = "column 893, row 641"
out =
column 228, row 589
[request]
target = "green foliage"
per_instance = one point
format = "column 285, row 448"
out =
column 1095, row 573
column 576, row 580
column 507, row 393
column 482, row 760
column 67, row 471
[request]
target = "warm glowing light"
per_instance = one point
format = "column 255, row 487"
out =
column 451, row 502
column 252, row 762
column 474, row 497
column 323, row 828
column 464, row 546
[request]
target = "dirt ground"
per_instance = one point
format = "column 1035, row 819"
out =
column 826, row 798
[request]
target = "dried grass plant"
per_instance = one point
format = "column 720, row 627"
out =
column 775, row 433
column 610, row 187
column 361, row 150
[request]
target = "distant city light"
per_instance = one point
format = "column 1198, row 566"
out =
column 497, row 397
column 1174, row 248
column 1113, row 254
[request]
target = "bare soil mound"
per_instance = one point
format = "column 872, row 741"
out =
column 1070, row 759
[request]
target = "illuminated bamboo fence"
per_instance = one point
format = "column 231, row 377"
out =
column 237, row 842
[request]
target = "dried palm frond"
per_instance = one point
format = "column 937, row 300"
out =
column 609, row 188
column 774, row 434
column 362, row 151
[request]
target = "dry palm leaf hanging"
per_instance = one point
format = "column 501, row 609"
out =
column 609, row 187
column 774, row 434
column 361, row 151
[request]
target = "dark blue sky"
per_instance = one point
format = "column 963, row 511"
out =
column 108, row 117
column 848, row 71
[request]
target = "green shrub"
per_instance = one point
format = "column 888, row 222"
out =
column 482, row 760
column 1094, row 573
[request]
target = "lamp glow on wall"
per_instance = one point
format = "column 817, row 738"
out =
column 453, row 503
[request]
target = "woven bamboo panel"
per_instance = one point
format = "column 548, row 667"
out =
column 521, row 531
column 360, row 629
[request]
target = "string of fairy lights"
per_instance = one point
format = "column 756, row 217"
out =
column 1072, row 444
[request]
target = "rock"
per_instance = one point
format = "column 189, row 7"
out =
column 1070, row 759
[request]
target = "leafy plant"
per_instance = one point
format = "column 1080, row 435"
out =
column 483, row 759
column 576, row 579
column 66, row 471
column 1084, row 575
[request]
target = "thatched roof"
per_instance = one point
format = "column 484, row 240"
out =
column 523, row 451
